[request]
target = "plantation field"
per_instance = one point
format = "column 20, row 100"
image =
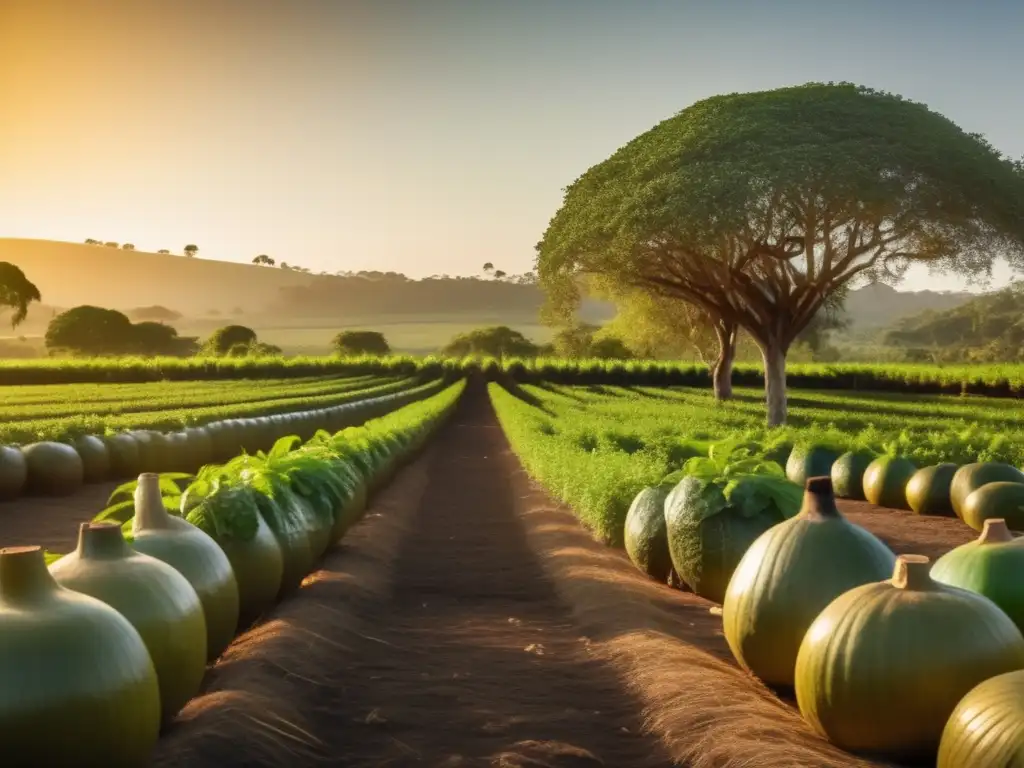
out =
column 520, row 602
column 996, row 380
column 57, row 412
column 596, row 447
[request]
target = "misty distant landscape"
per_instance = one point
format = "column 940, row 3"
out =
column 301, row 312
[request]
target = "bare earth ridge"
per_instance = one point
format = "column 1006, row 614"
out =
column 470, row 621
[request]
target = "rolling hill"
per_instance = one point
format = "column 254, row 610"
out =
column 301, row 311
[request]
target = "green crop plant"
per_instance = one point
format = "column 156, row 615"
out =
column 595, row 447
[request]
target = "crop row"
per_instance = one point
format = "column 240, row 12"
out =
column 140, row 369
column 132, row 616
column 55, row 468
column 22, row 404
column 992, row 380
column 893, row 657
column 598, row 446
column 176, row 415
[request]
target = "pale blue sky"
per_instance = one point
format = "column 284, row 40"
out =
column 423, row 136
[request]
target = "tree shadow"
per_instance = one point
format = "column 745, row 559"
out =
column 562, row 390
column 634, row 390
column 514, row 389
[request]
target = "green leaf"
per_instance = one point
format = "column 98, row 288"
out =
column 120, row 512
column 51, row 557
column 283, row 446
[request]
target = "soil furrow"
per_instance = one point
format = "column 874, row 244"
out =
column 480, row 662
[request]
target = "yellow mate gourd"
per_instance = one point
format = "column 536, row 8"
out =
column 987, row 727
column 881, row 669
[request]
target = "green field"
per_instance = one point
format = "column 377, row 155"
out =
column 409, row 335
column 596, row 447
column 994, row 380
column 57, row 412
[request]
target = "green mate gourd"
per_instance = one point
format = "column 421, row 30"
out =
column 992, row 565
column 77, row 685
column 999, row 500
column 928, row 490
column 645, row 535
column 807, row 461
column 230, row 515
column 54, row 469
column 971, row 477
column 719, row 507
column 156, row 599
column 789, row 575
column 192, row 553
column 13, row 472
column 848, row 474
column 885, row 481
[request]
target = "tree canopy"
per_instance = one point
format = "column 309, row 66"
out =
column 155, row 313
column 89, row 330
column 762, row 208
column 496, row 341
column 223, row 339
column 361, row 343
column 16, row 292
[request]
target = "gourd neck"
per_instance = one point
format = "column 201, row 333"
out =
column 995, row 531
column 102, row 541
column 24, row 576
column 912, row 573
column 819, row 500
column 150, row 513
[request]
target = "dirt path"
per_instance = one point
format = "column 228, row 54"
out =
column 907, row 533
column 51, row 523
column 474, row 656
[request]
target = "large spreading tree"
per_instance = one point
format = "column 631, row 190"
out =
column 16, row 292
column 762, row 208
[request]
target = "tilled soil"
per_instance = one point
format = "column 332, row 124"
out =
column 51, row 522
column 469, row 621
column 907, row 533
column 475, row 660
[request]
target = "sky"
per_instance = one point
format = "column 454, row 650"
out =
column 420, row 136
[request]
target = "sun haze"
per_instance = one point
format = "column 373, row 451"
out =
column 421, row 137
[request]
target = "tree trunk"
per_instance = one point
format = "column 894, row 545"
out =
column 774, row 355
column 721, row 369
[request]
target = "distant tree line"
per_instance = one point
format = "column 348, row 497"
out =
column 189, row 250
column 985, row 330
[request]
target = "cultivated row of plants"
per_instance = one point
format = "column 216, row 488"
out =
column 107, row 417
column 995, row 380
column 103, row 647
column 55, row 468
column 884, row 654
column 891, row 657
column 28, row 405
column 596, row 447
column 139, row 369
